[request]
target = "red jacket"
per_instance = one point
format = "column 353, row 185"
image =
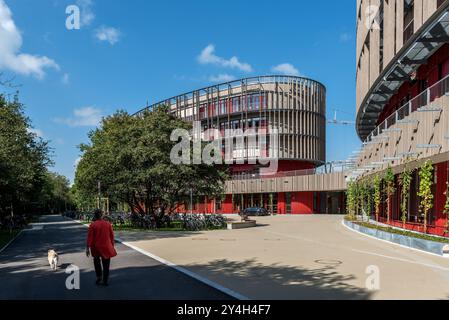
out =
column 100, row 240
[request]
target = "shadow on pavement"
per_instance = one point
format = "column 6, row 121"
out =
column 283, row 282
column 134, row 236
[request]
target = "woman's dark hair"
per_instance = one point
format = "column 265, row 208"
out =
column 98, row 214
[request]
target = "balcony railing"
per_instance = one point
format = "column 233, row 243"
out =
column 325, row 169
column 424, row 99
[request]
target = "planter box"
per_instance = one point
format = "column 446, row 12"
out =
column 437, row 248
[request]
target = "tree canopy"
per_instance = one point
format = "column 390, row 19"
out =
column 130, row 157
column 24, row 159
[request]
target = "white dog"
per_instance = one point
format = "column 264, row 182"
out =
column 53, row 259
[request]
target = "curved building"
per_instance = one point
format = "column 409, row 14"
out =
column 402, row 99
column 294, row 106
column 291, row 111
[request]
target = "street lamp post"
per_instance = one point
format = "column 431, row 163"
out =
column 99, row 195
column 191, row 201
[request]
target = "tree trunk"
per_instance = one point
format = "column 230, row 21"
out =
column 388, row 209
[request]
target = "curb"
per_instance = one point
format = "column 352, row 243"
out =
column 421, row 245
column 182, row 270
column 11, row 241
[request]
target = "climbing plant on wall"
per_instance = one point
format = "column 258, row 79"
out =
column 369, row 199
column 446, row 208
column 351, row 195
column 365, row 197
column 377, row 195
column 425, row 190
column 405, row 181
column 389, row 189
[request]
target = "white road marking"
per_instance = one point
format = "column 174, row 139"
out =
column 403, row 260
column 438, row 267
column 189, row 273
column 10, row 242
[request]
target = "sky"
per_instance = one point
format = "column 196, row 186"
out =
column 126, row 53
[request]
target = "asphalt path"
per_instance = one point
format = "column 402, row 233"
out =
column 26, row 275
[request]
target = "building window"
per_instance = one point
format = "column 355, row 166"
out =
column 381, row 31
column 409, row 18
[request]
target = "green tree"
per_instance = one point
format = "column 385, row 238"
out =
column 405, row 181
column 55, row 196
column 23, row 160
column 389, row 189
column 425, row 190
column 130, row 156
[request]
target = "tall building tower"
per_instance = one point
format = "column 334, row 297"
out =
column 403, row 100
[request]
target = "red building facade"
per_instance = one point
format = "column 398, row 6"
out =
column 402, row 103
column 290, row 112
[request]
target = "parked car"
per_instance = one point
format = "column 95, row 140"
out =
column 256, row 212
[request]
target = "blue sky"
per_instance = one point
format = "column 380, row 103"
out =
column 128, row 52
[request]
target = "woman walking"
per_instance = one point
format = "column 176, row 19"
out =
column 101, row 246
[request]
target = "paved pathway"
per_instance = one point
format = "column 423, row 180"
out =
column 302, row 257
column 25, row 273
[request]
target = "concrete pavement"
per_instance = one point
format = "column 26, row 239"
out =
column 302, row 257
column 25, row 273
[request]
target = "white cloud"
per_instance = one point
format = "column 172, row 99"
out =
column 66, row 78
column 345, row 37
column 37, row 132
column 10, row 44
column 224, row 77
column 286, row 69
column 208, row 56
column 83, row 117
column 86, row 13
column 107, row 34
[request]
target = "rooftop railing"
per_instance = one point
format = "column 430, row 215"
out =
column 280, row 79
column 329, row 168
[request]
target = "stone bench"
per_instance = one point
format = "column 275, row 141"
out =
column 242, row 225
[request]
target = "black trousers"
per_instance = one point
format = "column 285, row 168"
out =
column 102, row 269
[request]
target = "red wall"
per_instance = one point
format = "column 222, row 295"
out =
column 285, row 166
column 227, row 205
column 281, row 203
column 302, row 203
column 440, row 193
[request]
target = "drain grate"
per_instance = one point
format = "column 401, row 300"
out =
column 332, row 263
